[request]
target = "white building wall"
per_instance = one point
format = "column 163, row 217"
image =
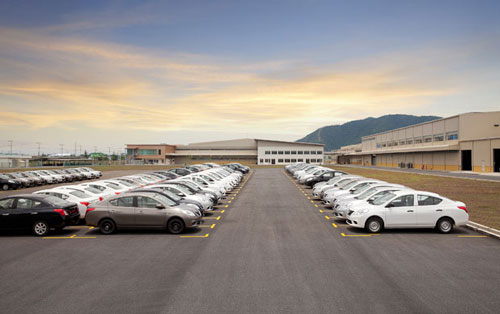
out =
column 282, row 153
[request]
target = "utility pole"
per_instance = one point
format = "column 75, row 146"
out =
column 10, row 142
column 80, row 150
column 38, row 148
column 75, row 148
column 62, row 148
column 95, row 149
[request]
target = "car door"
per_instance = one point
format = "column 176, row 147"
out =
column 147, row 214
column 428, row 210
column 25, row 212
column 6, row 207
column 122, row 211
column 400, row 212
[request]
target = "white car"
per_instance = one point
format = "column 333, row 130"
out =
column 410, row 209
column 186, row 194
column 375, row 191
column 82, row 199
column 351, row 189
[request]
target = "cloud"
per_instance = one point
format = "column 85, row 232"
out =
column 50, row 81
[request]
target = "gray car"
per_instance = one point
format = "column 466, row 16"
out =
column 141, row 210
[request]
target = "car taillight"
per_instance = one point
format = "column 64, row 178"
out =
column 89, row 210
column 117, row 193
column 100, row 198
column 85, row 203
column 463, row 208
column 60, row 211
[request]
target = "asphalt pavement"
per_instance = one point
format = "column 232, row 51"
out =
column 272, row 250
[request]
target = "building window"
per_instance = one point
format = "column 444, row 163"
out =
column 395, row 143
column 300, row 152
column 294, row 160
column 300, row 160
column 287, row 160
column 313, row 160
column 268, row 160
column 159, row 152
column 268, row 152
column 438, row 138
column 261, row 160
column 313, row 152
column 379, row 145
column 384, row 145
column 418, row 140
column 427, row 139
column 306, row 152
column 147, row 152
column 319, row 152
column 287, row 152
column 275, row 152
column 402, row 142
column 130, row 151
column 280, row 160
column 450, row 136
column 409, row 141
column 319, row 160
column 280, row 152
column 293, row 152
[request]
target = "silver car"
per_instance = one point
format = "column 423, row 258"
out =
column 141, row 210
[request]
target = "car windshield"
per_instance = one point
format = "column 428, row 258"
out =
column 383, row 199
column 92, row 190
column 79, row 194
column 126, row 183
column 98, row 187
column 192, row 185
column 366, row 194
column 183, row 189
column 114, row 186
column 206, row 177
column 361, row 189
column 349, row 185
column 172, row 195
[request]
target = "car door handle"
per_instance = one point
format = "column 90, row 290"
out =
column 113, row 210
column 410, row 211
column 439, row 210
column 5, row 214
column 34, row 213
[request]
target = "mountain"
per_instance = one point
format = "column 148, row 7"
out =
column 335, row 136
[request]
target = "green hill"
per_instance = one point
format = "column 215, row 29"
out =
column 335, row 136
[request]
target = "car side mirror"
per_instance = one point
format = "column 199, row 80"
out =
column 160, row 206
column 389, row 205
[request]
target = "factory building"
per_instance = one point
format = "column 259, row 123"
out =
column 465, row 142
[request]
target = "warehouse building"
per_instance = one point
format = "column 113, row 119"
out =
column 255, row 151
column 465, row 142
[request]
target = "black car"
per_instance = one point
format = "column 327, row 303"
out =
column 181, row 171
column 37, row 212
column 323, row 177
column 9, row 183
column 15, row 176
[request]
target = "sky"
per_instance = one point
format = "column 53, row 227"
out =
column 96, row 75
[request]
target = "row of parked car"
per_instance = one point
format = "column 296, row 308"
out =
column 25, row 179
column 174, row 200
column 374, row 204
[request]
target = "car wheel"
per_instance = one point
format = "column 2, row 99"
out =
column 374, row 225
column 107, row 226
column 40, row 228
column 175, row 226
column 5, row 187
column 444, row 225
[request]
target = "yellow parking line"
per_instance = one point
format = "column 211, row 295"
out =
column 358, row 235
column 71, row 237
column 226, row 206
column 334, row 225
column 84, row 238
column 212, row 226
column 204, row 236
column 308, row 197
column 326, row 217
column 321, row 211
column 312, row 202
column 80, row 227
column 222, row 212
column 472, row 236
column 215, row 218
column 229, row 202
column 232, row 198
column 315, row 205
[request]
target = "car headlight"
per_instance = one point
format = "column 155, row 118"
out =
column 309, row 179
column 361, row 211
column 188, row 213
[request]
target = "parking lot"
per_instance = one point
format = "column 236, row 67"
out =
column 268, row 248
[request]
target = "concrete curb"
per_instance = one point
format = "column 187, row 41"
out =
column 483, row 229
